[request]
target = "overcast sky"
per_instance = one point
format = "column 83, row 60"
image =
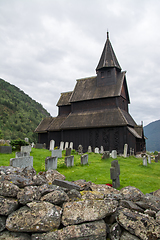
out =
column 47, row 44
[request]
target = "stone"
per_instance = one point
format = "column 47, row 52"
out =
column 68, row 151
column 114, row 174
column 114, row 154
column 57, row 153
column 57, row 197
column 14, row 236
column 51, row 146
column 40, row 145
column 69, row 161
column 131, row 205
column 46, row 236
column 83, row 184
column 103, row 188
column 102, row 150
column 35, row 217
column 128, row 236
column 61, row 145
column 87, row 211
column 8, row 189
column 144, row 161
column 156, row 158
column 71, row 145
column 149, row 159
column 89, row 149
column 7, row 205
column 115, row 231
column 92, row 195
column 66, row 145
column 80, row 149
column 26, row 149
column 96, row 150
column 22, row 154
column 84, row 159
column 89, row 231
column 74, row 195
column 139, row 224
column 18, row 180
column 131, row 193
column 2, row 223
column 22, row 162
column 66, row 184
column 125, row 150
column 6, row 149
column 106, row 155
column 51, row 163
column 28, row 194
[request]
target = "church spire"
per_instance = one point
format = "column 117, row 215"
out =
column 108, row 57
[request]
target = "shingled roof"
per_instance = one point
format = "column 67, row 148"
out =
column 64, row 99
column 42, row 127
column 99, row 118
column 86, row 89
column 108, row 57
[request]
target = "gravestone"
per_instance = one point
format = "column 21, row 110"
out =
column 114, row 154
column 51, row 163
column 22, row 154
column 61, row 145
column 52, row 143
column 144, row 160
column 66, row 145
column 40, row 145
column 106, row 155
column 125, row 150
column 84, row 159
column 69, row 161
column 71, row 145
column 114, row 173
column 32, row 144
column 22, row 162
column 6, row 149
column 89, row 149
column 131, row 151
column 156, row 158
column 26, row 149
column 57, row 153
column 80, row 149
column 68, row 151
column 102, row 150
column 96, row 150
column 159, row 156
column 26, row 140
column 149, row 159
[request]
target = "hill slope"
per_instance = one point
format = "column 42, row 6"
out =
column 19, row 114
column 152, row 132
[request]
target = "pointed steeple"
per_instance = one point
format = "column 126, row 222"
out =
column 108, row 57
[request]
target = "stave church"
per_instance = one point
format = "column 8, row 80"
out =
column 96, row 112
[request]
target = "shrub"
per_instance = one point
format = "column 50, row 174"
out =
column 16, row 144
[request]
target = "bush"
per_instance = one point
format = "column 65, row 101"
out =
column 16, row 144
column 155, row 153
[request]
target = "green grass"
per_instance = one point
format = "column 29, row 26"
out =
column 133, row 173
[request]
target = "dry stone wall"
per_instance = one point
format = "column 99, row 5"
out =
column 44, row 206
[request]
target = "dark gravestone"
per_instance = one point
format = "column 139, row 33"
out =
column 5, row 149
column 114, row 173
column 156, row 158
column 106, row 155
column 68, row 151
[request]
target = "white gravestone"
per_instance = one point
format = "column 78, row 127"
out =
column 66, row 145
column 52, row 143
column 26, row 140
column 149, row 159
column 102, row 150
column 71, row 145
column 51, row 163
column 22, row 162
column 96, row 150
column 89, row 149
column 69, row 161
column 144, row 161
column 114, row 154
column 125, row 150
column 61, row 145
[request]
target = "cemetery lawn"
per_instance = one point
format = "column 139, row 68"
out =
column 132, row 171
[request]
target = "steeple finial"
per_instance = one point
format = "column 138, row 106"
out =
column 107, row 34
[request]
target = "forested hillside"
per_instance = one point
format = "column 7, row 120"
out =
column 152, row 132
column 19, row 114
